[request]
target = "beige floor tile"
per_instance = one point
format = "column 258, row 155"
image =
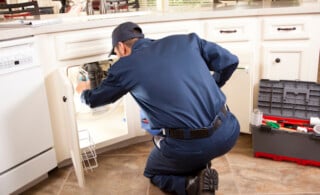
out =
column 120, row 172
column 153, row 190
column 51, row 185
column 226, row 180
column 140, row 148
column 123, row 162
column 262, row 178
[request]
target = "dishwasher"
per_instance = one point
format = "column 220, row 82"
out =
column 26, row 141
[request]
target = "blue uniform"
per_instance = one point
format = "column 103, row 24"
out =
column 172, row 82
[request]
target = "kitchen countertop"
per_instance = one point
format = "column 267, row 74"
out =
column 66, row 22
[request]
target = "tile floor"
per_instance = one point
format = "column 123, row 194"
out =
column 120, row 173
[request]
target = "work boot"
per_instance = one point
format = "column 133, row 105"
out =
column 192, row 185
column 205, row 183
column 209, row 180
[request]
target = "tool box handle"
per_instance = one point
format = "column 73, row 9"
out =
column 296, row 91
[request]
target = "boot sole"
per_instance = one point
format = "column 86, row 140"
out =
column 209, row 181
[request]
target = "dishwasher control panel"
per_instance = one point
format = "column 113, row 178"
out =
column 16, row 56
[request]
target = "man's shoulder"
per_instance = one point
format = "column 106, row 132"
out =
column 192, row 34
column 176, row 37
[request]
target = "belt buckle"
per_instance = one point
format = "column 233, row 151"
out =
column 163, row 130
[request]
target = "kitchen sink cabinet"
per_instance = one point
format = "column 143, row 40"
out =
column 58, row 52
column 290, row 48
column 63, row 54
column 240, row 36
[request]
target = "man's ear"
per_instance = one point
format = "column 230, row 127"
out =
column 125, row 49
column 120, row 48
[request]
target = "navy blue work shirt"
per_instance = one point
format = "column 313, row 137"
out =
column 170, row 79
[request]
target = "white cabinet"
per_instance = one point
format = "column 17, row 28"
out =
column 268, row 47
column 64, row 54
column 290, row 48
column 271, row 47
column 240, row 37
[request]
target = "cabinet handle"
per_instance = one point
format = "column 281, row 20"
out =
column 245, row 68
column 277, row 60
column 286, row 29
column 228, row 31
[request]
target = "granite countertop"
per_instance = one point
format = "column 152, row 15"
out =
column 54, row 23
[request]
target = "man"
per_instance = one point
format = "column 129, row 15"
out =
column 171, row 81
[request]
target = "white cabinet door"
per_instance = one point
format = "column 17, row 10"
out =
column 239, row 36
column 288, row 62
column 239, row 96
column 71, row 130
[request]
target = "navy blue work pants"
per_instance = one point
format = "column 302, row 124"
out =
column 168, row 166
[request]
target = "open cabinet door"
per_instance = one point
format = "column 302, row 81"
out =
column 71, row 126
column 239, row 98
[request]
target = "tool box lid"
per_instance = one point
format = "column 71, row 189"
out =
column 289, row 98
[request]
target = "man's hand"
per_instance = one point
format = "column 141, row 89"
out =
column 82, row 85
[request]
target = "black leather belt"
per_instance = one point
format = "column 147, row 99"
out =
column 180, row 133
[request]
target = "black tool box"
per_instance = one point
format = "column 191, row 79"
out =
column 289, row 105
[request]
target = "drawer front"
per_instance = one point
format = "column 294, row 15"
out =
column 83, row 44
column 160, row 30
column 231, row 30
column 286, row 28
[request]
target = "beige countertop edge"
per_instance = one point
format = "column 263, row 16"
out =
column 71, row 23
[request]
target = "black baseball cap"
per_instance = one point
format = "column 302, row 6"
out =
column 124, row 32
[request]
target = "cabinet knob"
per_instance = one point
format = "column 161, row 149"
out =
column 277, row 60
column 64, row 98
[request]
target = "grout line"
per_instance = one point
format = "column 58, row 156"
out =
column 232, row 173
column 121, row 155
column 64, row 182
column 148, row 190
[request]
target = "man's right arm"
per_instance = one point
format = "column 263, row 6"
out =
column 107, row 92
column 219, row 60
